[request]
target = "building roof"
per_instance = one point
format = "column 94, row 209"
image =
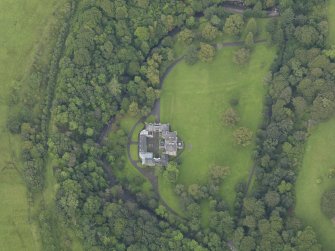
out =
column 142, row 146
column 167, row 143
column 170, row 144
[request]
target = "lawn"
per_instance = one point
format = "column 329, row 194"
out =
column 137, row 131
column 319, row 156
column 193, row 100
column 134, row 151
column 22, row 25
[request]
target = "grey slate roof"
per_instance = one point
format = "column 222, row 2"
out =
column 168, row 144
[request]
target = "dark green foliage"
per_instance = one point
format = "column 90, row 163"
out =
column 16, row 118
column 328, row 203
column 191, row 55
column 241, row 56
column 234, row 24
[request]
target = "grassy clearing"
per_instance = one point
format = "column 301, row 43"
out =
column 193, row 100
column 319, row 157
column 22, row 25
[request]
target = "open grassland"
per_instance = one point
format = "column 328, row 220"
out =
column 22, row 25
column 193, row 100
column 319, row 157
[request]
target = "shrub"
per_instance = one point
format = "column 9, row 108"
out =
column 328, row 203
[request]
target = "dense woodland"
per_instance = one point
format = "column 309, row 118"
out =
column 107, row 62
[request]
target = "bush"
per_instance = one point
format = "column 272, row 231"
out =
column 230, row 117
column 191, row 55
column 328, row 203
column 242, row 136
column 15, row 119
column 241, row 56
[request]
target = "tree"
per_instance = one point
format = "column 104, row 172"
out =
column 114, row 87
column 269, row 3
column 251, row 26
column 233, row 25
column 142, row 33
column 284, row 187
column 186, row 36
column 209, row 32
column 323, row 107
column 307, row 240
column 307, row 35
column 195, row 191
column 254, row 207
column 168, row 21
column 328, row 203
column 82, row 56
column 300, row 106
column 107, row 49
column 230, row 117
column 206, row 52
column 121, row 12
column 247, row 244
column 133, row 108
column 215, row 20
column 15, row 119
column 222, row 223
column 171, row 172
column 272, row 198
column 241, row 56
column 330, row 53
column 249, row 40
column 242, row 136
column 218, row 172
column 191, row 55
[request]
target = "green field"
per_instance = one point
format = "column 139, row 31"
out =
column 319, row 157
column 193, row 100
column 22, row 25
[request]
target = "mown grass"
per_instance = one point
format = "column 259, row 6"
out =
column 22, row 25
column 193, row 100
column 137, row 131
column 319, row 157
column 134, row 151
